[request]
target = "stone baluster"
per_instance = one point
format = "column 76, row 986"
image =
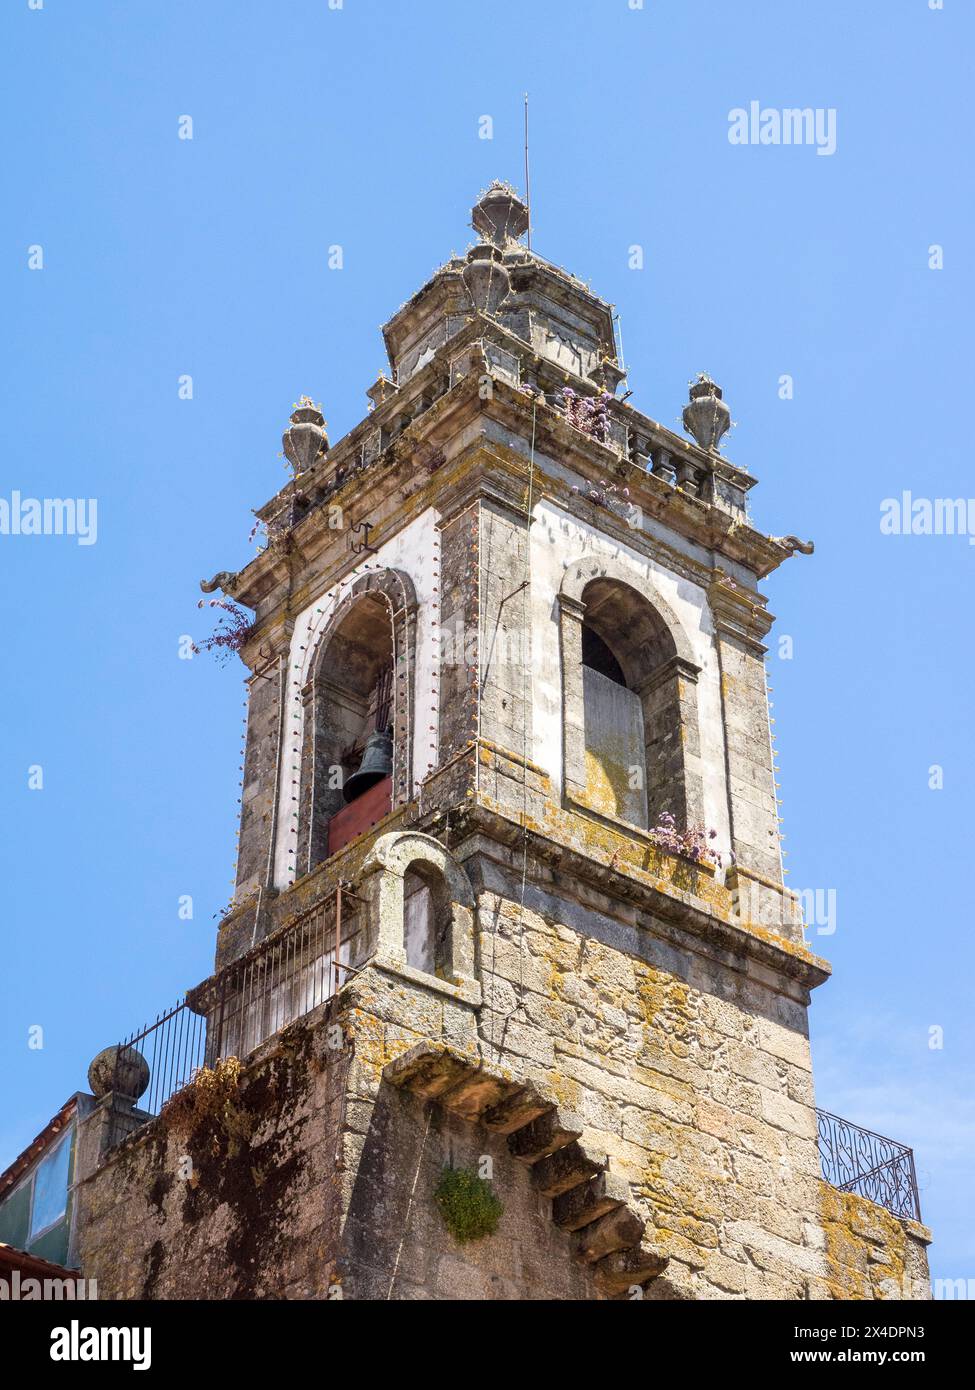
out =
column 663, row 467
column 688, row 478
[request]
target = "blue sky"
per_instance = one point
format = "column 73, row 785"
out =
column 360, row 127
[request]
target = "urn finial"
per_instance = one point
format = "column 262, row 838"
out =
column 499, row 215
column 706, row 416
column 486, row 277
column 305, row 438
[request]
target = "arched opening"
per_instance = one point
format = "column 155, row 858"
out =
column 426, row 919
column 420, row 911
column 639, row 720
column 357, row 727
column 598, row 656
column 352, row 716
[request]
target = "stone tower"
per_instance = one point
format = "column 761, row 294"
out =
column 510, row 955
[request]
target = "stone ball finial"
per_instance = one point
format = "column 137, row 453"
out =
column 499, row 215
column 120, row 1069
column 706, row 416
column 305, row 438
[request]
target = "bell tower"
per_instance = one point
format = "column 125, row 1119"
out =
column 561, row 620
column 511, row 972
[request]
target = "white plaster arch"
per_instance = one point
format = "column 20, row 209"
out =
column 580, row 573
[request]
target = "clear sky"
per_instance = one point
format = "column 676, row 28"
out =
column 360, row 126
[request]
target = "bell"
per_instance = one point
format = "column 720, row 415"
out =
column 377, row 763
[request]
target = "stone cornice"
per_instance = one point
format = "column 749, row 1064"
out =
column 675, row 907
column 706, row 925
column 460, row 408
column 739, row 613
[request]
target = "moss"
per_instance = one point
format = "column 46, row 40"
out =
column 153, row 1261
column 469, row 1208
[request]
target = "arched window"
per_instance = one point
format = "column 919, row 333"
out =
column 616, row 761
column 426, row 919
column 357, row 741
column 420, row 914
column 630, row 701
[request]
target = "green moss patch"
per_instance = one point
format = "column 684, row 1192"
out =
column 469, row 1208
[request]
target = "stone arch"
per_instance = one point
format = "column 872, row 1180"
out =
column 651, row 654
column 384, row 875
column 584, row 572
column 374, row 623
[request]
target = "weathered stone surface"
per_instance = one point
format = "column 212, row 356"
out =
column 588, row 1202
column 569, row 1166
column 628, row 1268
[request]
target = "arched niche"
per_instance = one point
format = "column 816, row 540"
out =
column 362, row 675
column 631, row 738
column 420, row 909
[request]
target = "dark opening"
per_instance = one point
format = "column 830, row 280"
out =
column 598, row 657
column 370, row 758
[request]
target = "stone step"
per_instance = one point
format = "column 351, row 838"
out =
column 627, row 1269
column 586, row 1198
column 621, row 1229
column 568, row 1167
column 582, row 1205
column 545, row 1135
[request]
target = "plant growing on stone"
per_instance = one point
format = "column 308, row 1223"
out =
column 211, row 1095
column 231, row 632
column 590, row 414
column 469, row 1208
column 691, row 843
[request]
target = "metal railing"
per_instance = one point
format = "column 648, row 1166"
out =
column 153, row 1063
column 857, row 1160
column 230, row 1015
column 282, row 979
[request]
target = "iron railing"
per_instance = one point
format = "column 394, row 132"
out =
column 282, row 979
column 857, row 1160
column 249, row 1001
column 153, row 1063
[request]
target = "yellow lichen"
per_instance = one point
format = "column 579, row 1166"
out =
column 866, row 1247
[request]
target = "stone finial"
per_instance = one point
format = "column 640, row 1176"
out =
column 305, row 438
column 706, row 416
column 119, row 1069
column 499, row 215
column 486, row 278
column 381, row 389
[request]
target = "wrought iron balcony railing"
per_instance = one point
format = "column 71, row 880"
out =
column 277, row 982
column 857, row 1160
